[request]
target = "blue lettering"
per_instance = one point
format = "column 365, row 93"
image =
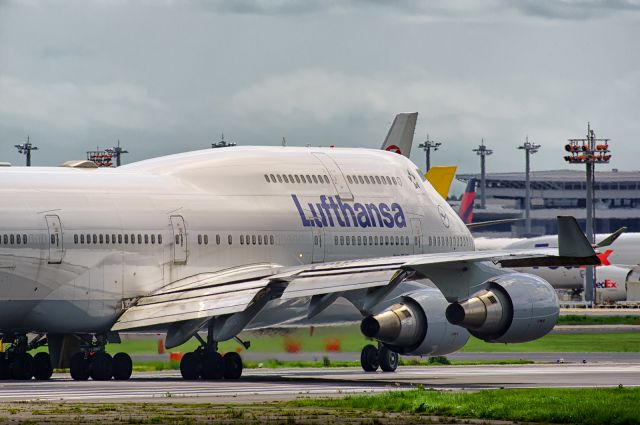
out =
column 398, row 218
column 305, row 222
column 388, row 220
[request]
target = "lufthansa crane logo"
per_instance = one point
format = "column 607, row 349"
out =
column 443, row 216
column 394, row 148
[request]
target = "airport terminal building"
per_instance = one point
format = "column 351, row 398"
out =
column 558, row 192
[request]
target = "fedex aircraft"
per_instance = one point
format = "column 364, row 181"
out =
column 239, row 238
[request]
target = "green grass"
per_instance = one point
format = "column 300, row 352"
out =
column 599, row 320
column 350, row 340
column 618, row 406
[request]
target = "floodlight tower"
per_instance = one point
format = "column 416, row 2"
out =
column 116, row 151
column 483, row 152
column 26, row 148
column 589, row 151
column 427, row 146
column 529, row 149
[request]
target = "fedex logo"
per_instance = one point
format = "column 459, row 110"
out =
column 603, row 257
column 330, row 212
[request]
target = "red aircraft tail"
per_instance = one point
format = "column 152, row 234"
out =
column 466, row 203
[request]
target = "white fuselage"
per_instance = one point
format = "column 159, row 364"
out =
column 76, row 245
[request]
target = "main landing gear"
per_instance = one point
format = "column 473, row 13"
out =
column 206, row 363
column 95, row 363
column 372, row 358
column 17, row 363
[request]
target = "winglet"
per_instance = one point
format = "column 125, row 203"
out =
column 571, row 241
column 611, row 238
column 400, row 136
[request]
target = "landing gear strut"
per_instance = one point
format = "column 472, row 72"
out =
column 95, row 363
column 371, row 358
column 206, row 363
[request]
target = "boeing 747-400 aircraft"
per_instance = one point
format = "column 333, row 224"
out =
column 239, row 238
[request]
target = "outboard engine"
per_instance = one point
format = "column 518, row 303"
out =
column 515, row 307
column 416, row 325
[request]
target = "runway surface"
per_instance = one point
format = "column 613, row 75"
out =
column 258, row 385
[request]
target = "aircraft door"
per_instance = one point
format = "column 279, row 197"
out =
column 56, row 249
column 416, row 229
column 318, row 245
column 337, row 178
column 179, row 240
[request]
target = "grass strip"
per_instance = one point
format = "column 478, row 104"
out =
column 618, row 406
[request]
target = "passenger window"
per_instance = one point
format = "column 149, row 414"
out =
column 360, row 179
column 348, row 240
column 335, row 240
column 5, row 238
column 159, row 238
column 81, row 238
column 75, row 239
column 349, row 179
column 353, row 240
column 101, row 238
column 308, row 179
column 253, row 239
column 297, row 178
column 406, row 240
column 391, row 242
column 359, row 240
column 146, row 239
column 393, row 179
column 18, row 239
column 364, row 240
column 199, row 239
column 279, row 178
column 206, row 239
column 126, row 238
column 303, row 179
column 273, row 178
column 326, row 179
column 266, row 177
column 378, row 179
column 140, row 239
column 217, row 239
column 366, row 179
column 341, row 240
column 259, row 239
column 375, row 240
column 315, row 240
column 399, row 181
column 291, row 178
column 397, row 240
column 12, row 239
column 286, row 179
column 230, row 240
column 95, row 238
column 241, row 239
column 153, row 238
column 106, row 237
column 388, row 180
column 315, row 179
column 271, row 240
column 133, row 238
column 119, row 239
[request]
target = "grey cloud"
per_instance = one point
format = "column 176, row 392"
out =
column 576, row 9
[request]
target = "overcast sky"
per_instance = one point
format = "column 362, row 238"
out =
column 171, row 76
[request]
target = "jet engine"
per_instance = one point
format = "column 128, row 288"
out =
column 611, row 283
column 416, row 325
column 515, row 307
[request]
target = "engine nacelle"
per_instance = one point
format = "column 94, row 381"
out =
column 416, row 325
column 611, row 284
column 514, row 307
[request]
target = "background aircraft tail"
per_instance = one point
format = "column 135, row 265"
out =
column 441, row 178
column 400, row 136
column 466, row 203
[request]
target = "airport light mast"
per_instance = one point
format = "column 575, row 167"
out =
column 589, row 151
column 427, row 146
column 529, row 149
column 483, row 152
column 26, row 148
column 116, row 151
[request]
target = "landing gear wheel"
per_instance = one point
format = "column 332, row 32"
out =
column 101, row 366
column 232, row 365
column 388, row 359
column 5, row 372
column 369, row 358
column 42, row 369
column 22, row 367
column 122, row 367
column 189, row 366
column 79, row 367
column 212, row 365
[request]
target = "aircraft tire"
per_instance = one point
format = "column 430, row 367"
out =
column 22, row 367
column 232, row 365
column 79, row 367
column 42, row 369
column 5, row 371
column 369, row 358
column 101, row 368
column 122, row 367
column 189, row 367
column 212, row 365
column 388, row 359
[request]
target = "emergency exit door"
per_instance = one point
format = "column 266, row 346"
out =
column 179, row 239
column 56, row 249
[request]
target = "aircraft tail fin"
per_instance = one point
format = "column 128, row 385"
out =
column 466, row 203
column 400, row 136
column 441, row 178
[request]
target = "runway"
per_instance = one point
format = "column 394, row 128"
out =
column 260, row 385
